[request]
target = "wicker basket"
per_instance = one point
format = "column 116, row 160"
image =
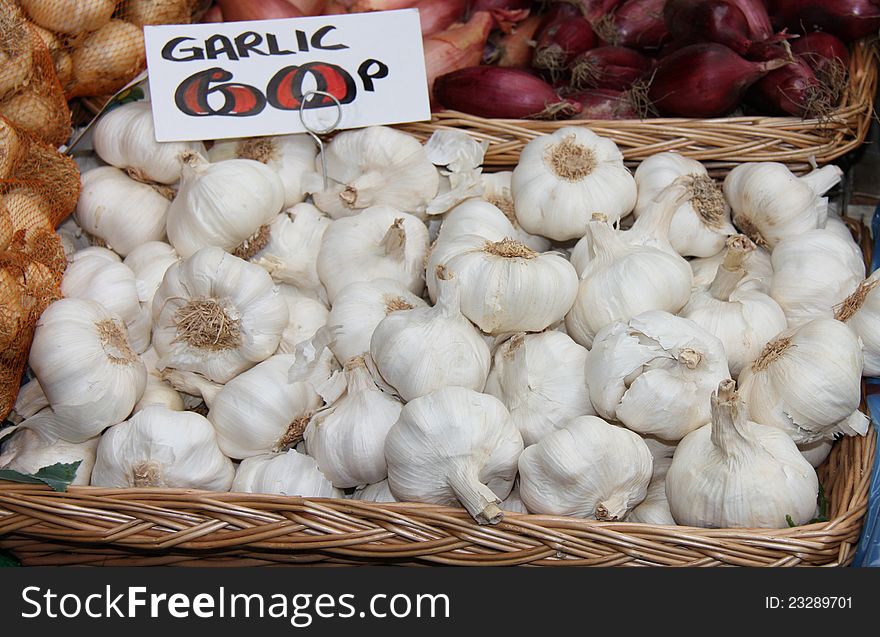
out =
column 719, row 143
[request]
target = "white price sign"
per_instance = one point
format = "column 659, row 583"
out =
column 246, row 79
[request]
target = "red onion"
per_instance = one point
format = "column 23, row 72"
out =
column 756, row 15
column 708, row 21
column 514, row 49
column 239, row 10
column 704, row 80
column 439, row 15
column 610, row 67
column 458, row 47
column 847, row 19
column 828, row 57
column 489, row 5
column 561, row 42
column 636, row 23
column 790, row 90
column 214, row 14
column 603, row 103
column 594, row 10
column 496, row 92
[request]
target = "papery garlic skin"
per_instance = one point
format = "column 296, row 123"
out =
column 588, row 469
column 425, row 349
column 159, row 447
column 653, row 374
column 104, row 209
column 541, row 380
column 758, row 276
column 770, row 203
column 217, row 315
column 498, row 191
column 149, row 262
column 736, row 473
column 376, row 166
column 812, row 273
column 290, row 156
column 124, row 137
column 508, row 287
column 306, row 314
column 290, row 473
column 84, row 362
column 226, row 204
column 380, row 242
column 563, row 178
column 454, row 446
column 30, row 449
column 157, row 391
column 807, row 382
column 377, row 492
column 513, row 503
column 360, row 307
column 816, row 452
column 348, row 437
column 861, row 312
column 654, row 509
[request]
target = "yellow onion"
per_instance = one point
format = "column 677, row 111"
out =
column 142, row 12
column 16, row 51
column 108, row 58
column 71, row 17
column 12, row 149
column 40, row 113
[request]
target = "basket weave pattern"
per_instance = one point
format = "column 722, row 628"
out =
column 720, row 143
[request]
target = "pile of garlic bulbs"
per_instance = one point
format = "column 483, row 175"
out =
column 419, row 331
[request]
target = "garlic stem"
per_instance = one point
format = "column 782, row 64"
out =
column 728, row 418
column 448, row 293
column 731, row 271
column 394, row 242
column 191, row 383
column 823, row 179
column 612, row 508
column 477, row 498
column 607, row 245
column 657, row 221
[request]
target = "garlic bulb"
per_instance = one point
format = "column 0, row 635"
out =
column 735, row 473
column 743, row 318
column 425, row 349
column 306, row 314
column 291, row 253
column 659, row 447
column 757, row 266
column 150, row 261
column 623, row 281
column 508, row 287
column 159, row 447
column 380, row 242
column 360, row 307
column 90, row 375
column 498, row 191
column 228, row 204
column 541, row 380
column 72, row 18
column 158, row 391
column 816, row 452
column 377, row 492
column 72, row 237
column 33, row 447
column 454, row 445
column 654, row 509
column 701, row 224
column 348, row 437
column 653, row 374
column 770, row 203
column 587, row 469
column 459, row 158
column 290, row 473
column 513, row 503
column 376, row 166
column 105, row 205
column 28, row 402
column 563, row 178
column 807, row 382
column 812, row 273
column 124, row 137
column 861, row 312
column 290, row 156
column 216, row 315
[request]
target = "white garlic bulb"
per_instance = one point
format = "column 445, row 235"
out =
column 216, row 315
column 541, row 380
column 563, row 178
column 498, row 191
column 424, row 349
column 306, row 317
column 812, row 273
column 376, row 166
column 89, row 372
column 701, row 224
column 159, row 447
column 377, row 492
column 360, row 307
column 106, row 201
column 807, row 382
column 770, row 203
column 228, row 204
column 588, row 469
column 743, row 318
column 508, row 287
column 623, row 281
column 757, row 266
column 454, row 445
column 654, row 373
column 149, row 261
column 124, row 137
column 290, row 473
column 735, row 473
column 380, row 242
column 290, row 156
column 29, row 401
column 659, row 447
column 861, row 312
column 654, row 509
column 816, row 452
column 157, row 391
column 513, row 503
column 34, row 446
column 291, row 253
column 96, row 274
column 348, row 437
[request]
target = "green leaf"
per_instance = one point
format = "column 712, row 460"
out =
column 58, row 476
column 790, row 521
column 8, row 559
